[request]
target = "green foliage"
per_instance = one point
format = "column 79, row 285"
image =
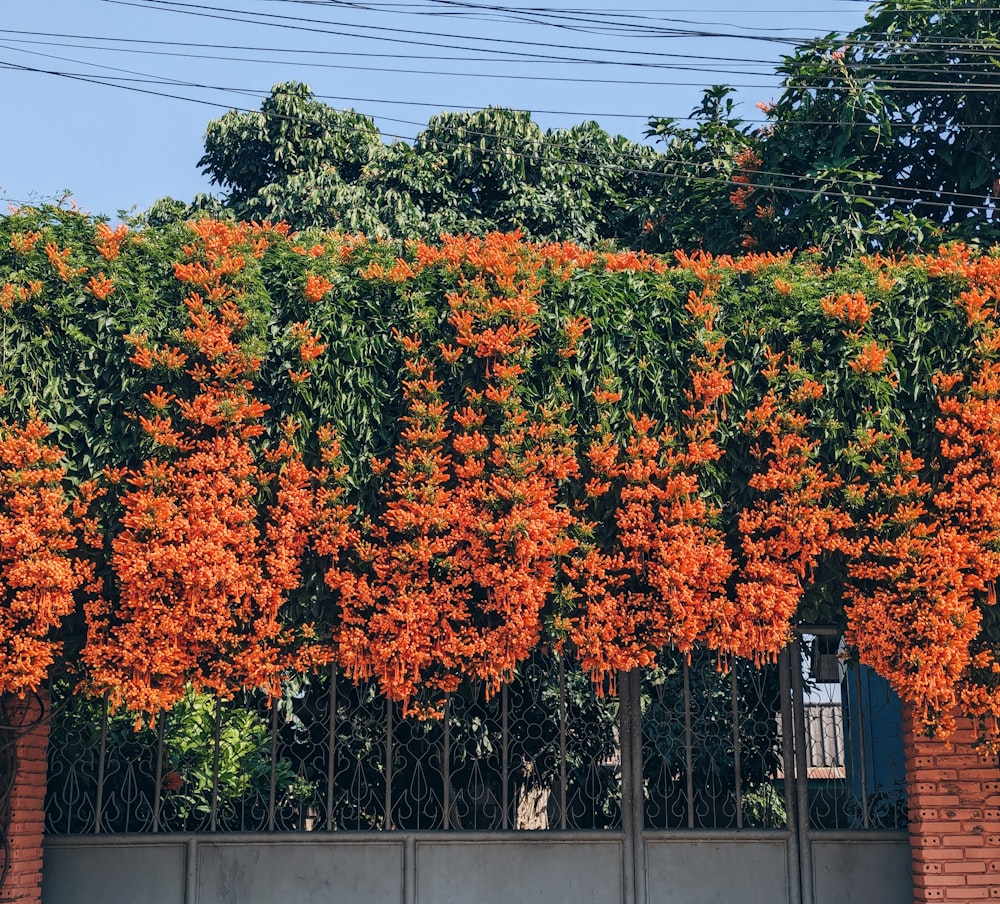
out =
column 493, row 169
column 289, row 157
column 881, row 138
column 885, row 137
column 188, row 771
column 689, row 206
column 64, row 355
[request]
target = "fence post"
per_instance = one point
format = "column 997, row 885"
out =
column 801, row 768
column 628, row 785
column 788, row 769
column 214, row 819
column 332, row 745
column 638, row 813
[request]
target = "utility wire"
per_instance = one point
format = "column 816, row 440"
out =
column 848, row 63
column 449, row 105
column 583, row 20
column 72, row 41
column 897, row 125
column 178, row 6
column 531, row 156
column 831, row 81
column 184, row 8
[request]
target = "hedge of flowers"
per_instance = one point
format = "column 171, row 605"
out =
column 230, row 453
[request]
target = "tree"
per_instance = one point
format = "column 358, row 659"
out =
column 883, row 137
column 299, row 160
column 689, row 204
column 293, row 156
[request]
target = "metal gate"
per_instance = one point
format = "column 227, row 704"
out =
column 687, row 784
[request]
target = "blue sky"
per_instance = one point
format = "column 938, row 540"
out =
column 399, row 61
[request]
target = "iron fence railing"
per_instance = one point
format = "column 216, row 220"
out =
column 679, row 746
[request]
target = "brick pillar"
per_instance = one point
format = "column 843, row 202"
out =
column 953, row 801
column 27, row 801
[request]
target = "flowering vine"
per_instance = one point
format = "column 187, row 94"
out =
column 203, row 563
column 458, row 565
column 660, row 578
column 930, row 557
column 471, row 555
column 41, row 566
column 792, row 521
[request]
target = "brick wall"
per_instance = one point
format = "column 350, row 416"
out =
column 27, row 815
column 954, row 811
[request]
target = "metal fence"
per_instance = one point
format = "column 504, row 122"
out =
column 753, row 748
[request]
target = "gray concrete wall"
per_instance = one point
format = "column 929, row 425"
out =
column 452, row 868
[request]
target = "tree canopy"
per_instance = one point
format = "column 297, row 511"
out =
column 885, row 136
column 881, row 137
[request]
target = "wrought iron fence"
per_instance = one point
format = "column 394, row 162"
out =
column 709, row 750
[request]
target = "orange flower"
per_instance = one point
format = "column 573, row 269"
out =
column 40, row 566
column 663, row 578
column 792, row 522
column 23, row 242
column 851, row 309
column 109, row 240
column 59, row 259
column 316, row 287
column 870, row 360
column 214, row 526
column 451, row 575
column 100, row 286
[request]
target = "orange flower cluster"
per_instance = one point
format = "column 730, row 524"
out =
column 931, row 554
column 870, row 360
column 662, row 577
column 456, row 569
column 850, row 308
column 747, row 160
column 60, row 262
column 108, row 240
column 911, row 614
column 316, row 287
column 203, row 563
column 10, row 294
column 560, row 258
column 100, row 286
column 968, row 497
column 791, row 523
column 39, row 566
column 23, row 242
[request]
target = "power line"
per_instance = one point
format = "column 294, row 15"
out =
column 446, row 105
column 525, row 56
column 877, row 84
column 579, row 19
column 179, row 6
column 340, row 53
column 184, row 8
column 624, row 170
column 138, row 48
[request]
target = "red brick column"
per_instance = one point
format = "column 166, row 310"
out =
column 27, row 803
column 953, row 798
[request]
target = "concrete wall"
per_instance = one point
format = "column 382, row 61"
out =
column 451, row 868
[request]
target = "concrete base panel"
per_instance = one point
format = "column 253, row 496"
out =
column 543, row 871
column 864, row 871
column 127, row 874
column 716, row 872
column 303, row 874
